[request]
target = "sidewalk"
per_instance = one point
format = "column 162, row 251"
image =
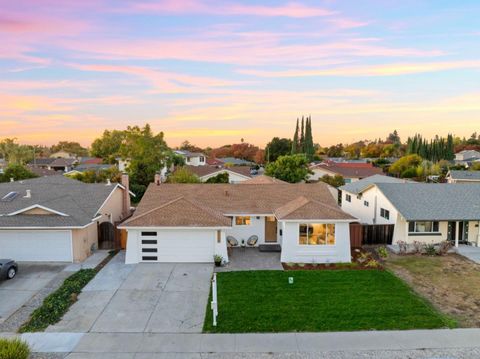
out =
column 252, row 343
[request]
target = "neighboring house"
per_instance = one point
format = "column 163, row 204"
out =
column 55, row 164
column 235, row 161
column 63, row 154
column 55, row 219
column 42, row 162
column 463, row 176
column 42, row 172
column 122, row 164
column 191, row 222
column 89, row 167
column 467, row 156
column 214, row 162
column 236, row 174
column 263, row 179
column 431, row 213
column 192, row 158
column 90, row 161
column 363, row 200
column 351, row 172
column 3, row 164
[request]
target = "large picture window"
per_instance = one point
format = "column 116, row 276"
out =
column 242, row 221
column 423, row 227
column 316, row 234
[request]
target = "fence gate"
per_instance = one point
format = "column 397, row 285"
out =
column 368, row 234
column 106, row 235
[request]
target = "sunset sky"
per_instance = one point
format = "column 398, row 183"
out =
column 213, row 72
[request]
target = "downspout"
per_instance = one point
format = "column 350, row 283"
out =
column 478, row 234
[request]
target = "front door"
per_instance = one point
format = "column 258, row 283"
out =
column 452, row 231
column 463, row 232
column 270, row 229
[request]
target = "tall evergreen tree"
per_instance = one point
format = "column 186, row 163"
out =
column 302, row 138
column 309, row 147
column 295, row 141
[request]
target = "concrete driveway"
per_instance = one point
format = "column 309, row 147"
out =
column 146, row 297
column 30, row 279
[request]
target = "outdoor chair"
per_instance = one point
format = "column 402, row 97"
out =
column 252, row 241
column 232, row 242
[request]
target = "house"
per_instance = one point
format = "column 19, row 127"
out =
column 81, row 168
column 42, row 172
column 463, row 176
column 90, row 161
column 236, row 174
column 431, row 213
column 467, row 156
column 232, row 161
column 363, row 200
column 55, row 164
column 191, row 222
column 63, row 154
column 263, row 179
column 122, row 164
column 55, row 218
column 351, row 172
column 192, row 158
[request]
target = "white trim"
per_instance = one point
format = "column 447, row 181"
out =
column 319, row 220
column 223, row 170
column 37, row 206
column 147, row 228
column 71, row 246
column 48, row 228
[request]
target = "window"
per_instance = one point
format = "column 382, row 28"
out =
column 219, row 236
column 348, row 198
column 242, row 221
column 316, row 234
column 366, row 204
column 202, row 159
column 385, row 213
column 423, row 227
column 149, row 234
column 347, row 180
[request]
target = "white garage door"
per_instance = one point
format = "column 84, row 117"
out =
column 177, row 246
column 36, row 246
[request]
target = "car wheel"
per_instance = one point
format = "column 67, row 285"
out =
column 11, row 273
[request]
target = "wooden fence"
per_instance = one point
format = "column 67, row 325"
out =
column 368, row 234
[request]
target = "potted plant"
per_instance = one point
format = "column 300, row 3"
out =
column 218, row 259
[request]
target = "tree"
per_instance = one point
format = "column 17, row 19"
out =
column 70, row 147
column 220, row 178
column 335, row 181
column 17, row 172
column 335, row 151
column 393, row 138
column 295, row 144
column 14, row 153
column 108, row 146
column 405, row 163
column 183, row 175
column 291, row 168
column 245, row 151
column 277, row 147
column 187, row 146
column 301, row 146
column 308, row 146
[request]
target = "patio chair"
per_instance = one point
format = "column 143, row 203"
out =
column 232, row 241
column 252, row 240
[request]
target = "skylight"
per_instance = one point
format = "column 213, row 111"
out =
column 9, row 197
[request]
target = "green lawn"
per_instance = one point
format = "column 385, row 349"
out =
column 340, row 300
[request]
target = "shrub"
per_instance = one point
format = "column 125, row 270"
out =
column 430, row 250
column 13, row 349
column 382, row 252
column 372, row 263
column 409, row 173
column 402, row 247
column 418, row 247
column 56, row 304
column 444, row 247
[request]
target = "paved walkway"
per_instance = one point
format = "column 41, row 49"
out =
column 470, row 252
column 91, row 262
column 251, row 259
column 97, row 345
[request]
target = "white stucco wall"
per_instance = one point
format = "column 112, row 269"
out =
column 401, row 233
column 293, row 252
column 256, row 227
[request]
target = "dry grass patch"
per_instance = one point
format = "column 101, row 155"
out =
column 451, row 283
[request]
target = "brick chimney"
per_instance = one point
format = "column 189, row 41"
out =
column 158, row 178
column 126, row 195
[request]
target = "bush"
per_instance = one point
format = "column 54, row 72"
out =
column 430, row 250
column 409, row 173
column 382, row 252
column 372, row 263
column 444, row 247
column 13, row 349
column 56, row 304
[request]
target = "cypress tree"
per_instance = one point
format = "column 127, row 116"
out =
column 309, row 148
column 302, row 138
column 295, row 141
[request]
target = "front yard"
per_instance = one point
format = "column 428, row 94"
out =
column 451, row 283
column 337, row 300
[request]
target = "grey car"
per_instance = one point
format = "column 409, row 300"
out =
column 8, row 268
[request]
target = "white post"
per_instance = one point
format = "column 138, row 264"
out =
column 214, row 304
column 457, row 233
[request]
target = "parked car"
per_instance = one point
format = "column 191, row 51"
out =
column 8, row 268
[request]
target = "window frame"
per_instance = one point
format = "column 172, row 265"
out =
column 434, row 225
column 309, row 226
column 244, row 220
column 366, row 203
column 385, row 213
column 348, row 197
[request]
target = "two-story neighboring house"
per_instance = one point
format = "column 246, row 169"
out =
column 466, row 157
column 463, row 176
column 363, row 200
column 192, row 158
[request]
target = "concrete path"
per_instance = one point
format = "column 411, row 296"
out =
column 147, row 297
column 251, row 259
column 91, row 262
column 104, row 345
column 470, row 252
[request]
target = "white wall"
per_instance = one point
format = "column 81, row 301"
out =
column 292, row 252
column 474, row 232
column 256, row 227
column 195, row 161
column 232, row 176
column 400, row 233
column 370, row 214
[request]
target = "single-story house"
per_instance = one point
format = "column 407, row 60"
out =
column 431, row 213
column 42, row 171
column 194, row 222
column 236, row 174
column 463, row 176
column 351, row 172
column 235, row 161
column 263, row 179
column 192, row 158
column 63, row 154
column 55, row 218
column 89, row 167
column 55, row 164
column 363, row 200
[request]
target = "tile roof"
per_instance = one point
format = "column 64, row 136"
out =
column 233, row 199
column 465, row 175
column 62, row 162
column 440, row 201
column 201, row 171
column 42, row 161
column 361, row 185
column 350, row 170
column 41, row 171
column 80, row 201
column 308, row 209
column 263, row 179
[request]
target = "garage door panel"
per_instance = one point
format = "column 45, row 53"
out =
column 178, row 246
column 36, row 246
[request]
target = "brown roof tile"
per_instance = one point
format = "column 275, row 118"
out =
column 201, row 171
column 263, row 179
column 305, row 208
